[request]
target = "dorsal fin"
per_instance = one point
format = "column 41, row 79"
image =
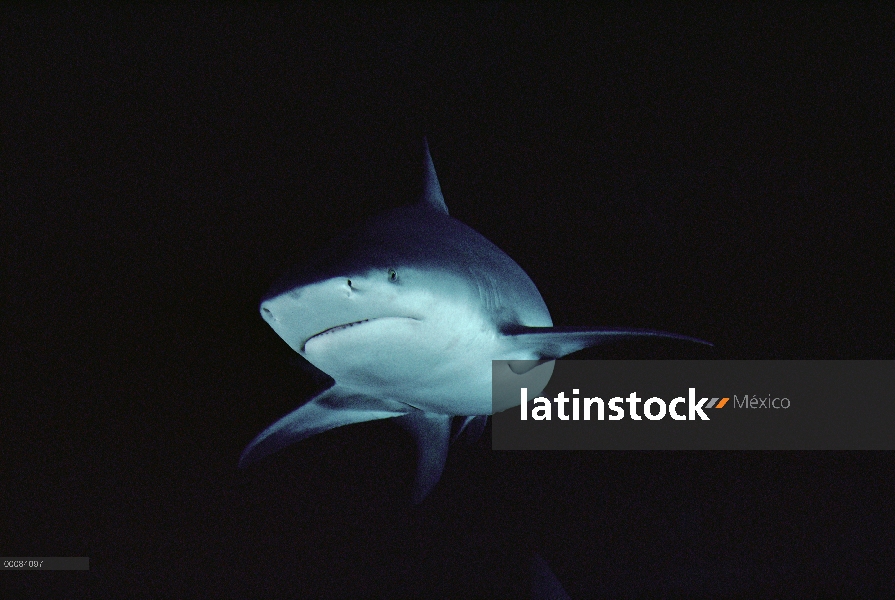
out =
column 432, row 189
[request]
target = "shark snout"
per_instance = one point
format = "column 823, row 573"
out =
column 278, row 307
column 267, row 312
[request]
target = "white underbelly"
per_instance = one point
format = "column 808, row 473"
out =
column 436, row 365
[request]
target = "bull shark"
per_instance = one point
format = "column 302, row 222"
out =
column 406, row 313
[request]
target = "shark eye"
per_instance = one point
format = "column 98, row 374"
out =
column 392, row 275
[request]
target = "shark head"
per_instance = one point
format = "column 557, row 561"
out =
column 407, row 306
column 413, row 262
column 406, row 313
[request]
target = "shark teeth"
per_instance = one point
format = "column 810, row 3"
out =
column 337, row 328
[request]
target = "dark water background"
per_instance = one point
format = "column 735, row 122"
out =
column 726, row 175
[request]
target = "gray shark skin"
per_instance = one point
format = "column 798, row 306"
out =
column 406, row 313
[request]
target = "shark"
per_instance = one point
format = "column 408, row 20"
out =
column 406, row 313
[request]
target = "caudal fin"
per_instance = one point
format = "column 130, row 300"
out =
column 544, row 584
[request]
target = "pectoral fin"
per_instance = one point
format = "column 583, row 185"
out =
column 334, row 407
column 555, row 342
column 468, row 429
column 432, row 434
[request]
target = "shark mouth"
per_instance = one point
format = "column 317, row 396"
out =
column 349, row 325
column 336, row 328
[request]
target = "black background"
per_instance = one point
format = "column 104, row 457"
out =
column 724, row 175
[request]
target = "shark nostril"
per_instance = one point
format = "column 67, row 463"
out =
column 349, row 283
